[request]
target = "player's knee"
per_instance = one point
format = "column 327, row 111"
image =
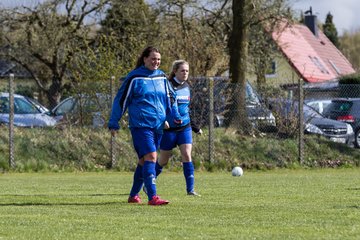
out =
column 186, row 158
column 163, row 162
column 151, row 157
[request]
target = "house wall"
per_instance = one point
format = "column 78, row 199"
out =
column 284, row 73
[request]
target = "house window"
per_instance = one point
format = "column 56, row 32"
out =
column 338, row 71
column 317, row 63
column 271, row 70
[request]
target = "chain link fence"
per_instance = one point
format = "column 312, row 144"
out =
column 273, row 114
column 270, row 112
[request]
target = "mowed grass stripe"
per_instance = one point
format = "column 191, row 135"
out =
column 278, row 204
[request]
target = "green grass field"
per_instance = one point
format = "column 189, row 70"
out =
column 278, row 204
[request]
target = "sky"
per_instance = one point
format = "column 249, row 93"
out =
column 345, row 12
column 13, row 3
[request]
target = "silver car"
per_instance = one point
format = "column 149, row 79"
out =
column 86, row 110
column 320, row 105
column 26, row 112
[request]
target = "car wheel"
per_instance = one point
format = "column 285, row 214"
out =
column 357, row 138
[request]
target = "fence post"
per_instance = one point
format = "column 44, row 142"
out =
column 301, row 122
column 11, row 121
column 112, row 140
column 211, row 119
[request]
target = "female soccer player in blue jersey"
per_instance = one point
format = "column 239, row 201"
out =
column 146, row 94
column 180, row 135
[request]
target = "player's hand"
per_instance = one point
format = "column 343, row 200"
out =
column 113, row 132
column 166, row 125
column 177, row 121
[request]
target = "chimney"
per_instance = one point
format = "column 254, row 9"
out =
column 311, row 22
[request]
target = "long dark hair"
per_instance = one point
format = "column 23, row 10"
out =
column 145, row 53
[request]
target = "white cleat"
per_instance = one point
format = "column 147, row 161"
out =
column 193, row 194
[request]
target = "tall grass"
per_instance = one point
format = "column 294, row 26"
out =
column 278, row 204
column 86, row 149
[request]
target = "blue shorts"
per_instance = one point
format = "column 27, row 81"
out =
column 145, row 140
column 171, row 139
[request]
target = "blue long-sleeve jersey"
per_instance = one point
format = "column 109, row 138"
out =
column 148, row 96
column 183, row 99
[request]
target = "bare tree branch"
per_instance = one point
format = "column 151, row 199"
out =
column 45, row 38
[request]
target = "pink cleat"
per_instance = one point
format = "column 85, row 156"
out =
column 134, row 199
column 156, row 200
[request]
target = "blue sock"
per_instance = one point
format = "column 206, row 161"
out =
column 158, row 168
column 188, row 169
column 138, row 181
column 149, row 178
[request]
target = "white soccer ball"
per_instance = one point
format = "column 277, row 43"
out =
column 237, row 172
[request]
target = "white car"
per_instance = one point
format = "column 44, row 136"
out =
column 319, row 105
column 27, row 112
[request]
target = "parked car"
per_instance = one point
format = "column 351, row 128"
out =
column 258, row 114
column 260, row 117
column 27, row 113
column 346, row 110
column 314, row 122
column 83, row 110
column 319, row 105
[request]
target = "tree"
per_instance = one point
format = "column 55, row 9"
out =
column 93, row 66
column 132, row 24
column 256, row 19
column 330, row 30
column 238, row 46
column 44, row 39
column 200, row 33
column 192, row 32
column 92, row 81
column 350, row 46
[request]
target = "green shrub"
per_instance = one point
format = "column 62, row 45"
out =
column 27, row 91
column 86, row 149
column 350, row 79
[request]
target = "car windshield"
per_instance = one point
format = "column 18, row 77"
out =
column 251, row 95
column 289, row 108
column 310, row 113
column 340, row 106
column 38, row 105
column 4, row 105
column 65, row 107
column 21, row 106
column 85, row 104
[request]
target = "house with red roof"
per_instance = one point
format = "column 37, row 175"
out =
column 307, row 54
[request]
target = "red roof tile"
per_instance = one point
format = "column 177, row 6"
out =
column 316, row 59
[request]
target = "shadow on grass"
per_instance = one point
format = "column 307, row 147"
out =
column 28, row 203
column 25, row 204
column 67, row 195
column 355, row 207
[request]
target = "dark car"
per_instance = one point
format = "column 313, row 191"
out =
column 258, row 114
column 346, row 110
column 314, row 122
